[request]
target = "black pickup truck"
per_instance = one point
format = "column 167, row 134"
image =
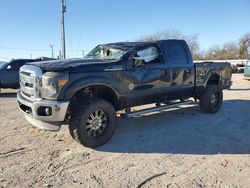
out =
column 88, row 92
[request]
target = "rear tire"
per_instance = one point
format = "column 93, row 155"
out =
column 211, row 100
column 93, row 122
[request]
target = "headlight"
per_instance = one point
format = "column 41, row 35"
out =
column 52, row 83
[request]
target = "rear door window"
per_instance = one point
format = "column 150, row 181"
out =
column 176, row 53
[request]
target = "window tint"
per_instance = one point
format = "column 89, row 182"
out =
column 176, row 53
column 149, row 54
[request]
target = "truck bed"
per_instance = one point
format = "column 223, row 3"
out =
column 223, row 69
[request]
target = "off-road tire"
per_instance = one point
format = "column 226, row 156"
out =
column 78, row 122
column 207, row 102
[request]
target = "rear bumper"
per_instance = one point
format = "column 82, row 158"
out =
column 35, row 112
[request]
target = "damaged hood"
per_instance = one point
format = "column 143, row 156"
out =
column 77, row 65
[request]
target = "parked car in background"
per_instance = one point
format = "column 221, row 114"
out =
column 2, row 62
column 9, row 72
column 247, row 70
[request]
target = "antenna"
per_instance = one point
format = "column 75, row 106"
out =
column 63, row 10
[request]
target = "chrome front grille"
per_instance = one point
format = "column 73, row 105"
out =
column 29, row 81
column 27, row 84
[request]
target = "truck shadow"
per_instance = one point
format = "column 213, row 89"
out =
column 186, row 131
column 239, row 89
column 7, row 95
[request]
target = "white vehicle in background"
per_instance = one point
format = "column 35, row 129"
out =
column 247, row 70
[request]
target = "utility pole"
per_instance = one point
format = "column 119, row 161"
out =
column 52, row 50
column 63, row 10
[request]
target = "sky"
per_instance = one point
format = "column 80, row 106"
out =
column 29, row 27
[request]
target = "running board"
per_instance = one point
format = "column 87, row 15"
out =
column 157, row 108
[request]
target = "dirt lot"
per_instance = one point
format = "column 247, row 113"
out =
column 181, row 148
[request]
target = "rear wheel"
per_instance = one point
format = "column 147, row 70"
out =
column 211, row 99
column 93, row 122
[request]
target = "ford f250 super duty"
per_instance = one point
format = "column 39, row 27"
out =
column 87, row 93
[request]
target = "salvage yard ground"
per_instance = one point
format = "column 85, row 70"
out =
column 178, row 148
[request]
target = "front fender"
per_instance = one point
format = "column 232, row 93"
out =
column 72, row 88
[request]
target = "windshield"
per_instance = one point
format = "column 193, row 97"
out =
column 105, row 53
column 2, row 64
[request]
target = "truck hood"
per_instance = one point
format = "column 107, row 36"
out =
column 76, row 65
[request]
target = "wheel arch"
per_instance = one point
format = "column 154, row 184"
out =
column 213, row 79
column 104, row 88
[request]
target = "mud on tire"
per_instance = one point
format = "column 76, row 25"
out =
column 93, row 122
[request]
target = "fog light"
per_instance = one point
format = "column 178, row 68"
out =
column 48, row 111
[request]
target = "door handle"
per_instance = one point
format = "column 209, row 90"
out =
column 115, row 68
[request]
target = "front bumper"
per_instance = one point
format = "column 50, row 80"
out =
column 35, row 112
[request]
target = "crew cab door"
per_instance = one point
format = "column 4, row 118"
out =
column 144, row 75
column 181, row 68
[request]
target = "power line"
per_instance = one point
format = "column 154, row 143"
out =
column 32, row 49
column 23, row 49
column 5, row 58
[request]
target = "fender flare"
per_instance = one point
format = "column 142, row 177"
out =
column 71, row 89
column 209, row 75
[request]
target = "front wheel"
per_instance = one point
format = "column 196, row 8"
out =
column 93, row 122
column 211, row 99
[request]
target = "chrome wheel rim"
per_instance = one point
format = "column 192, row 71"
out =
column 96, row 123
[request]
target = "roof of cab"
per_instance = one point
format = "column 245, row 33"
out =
column 130, row 45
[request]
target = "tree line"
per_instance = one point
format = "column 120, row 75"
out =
column 229, row 50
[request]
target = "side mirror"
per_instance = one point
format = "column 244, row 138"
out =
column 8, row 67
column 137, row 61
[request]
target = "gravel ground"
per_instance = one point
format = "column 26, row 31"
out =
column 178, row 148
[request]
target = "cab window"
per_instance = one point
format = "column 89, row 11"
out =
column 148, row 55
